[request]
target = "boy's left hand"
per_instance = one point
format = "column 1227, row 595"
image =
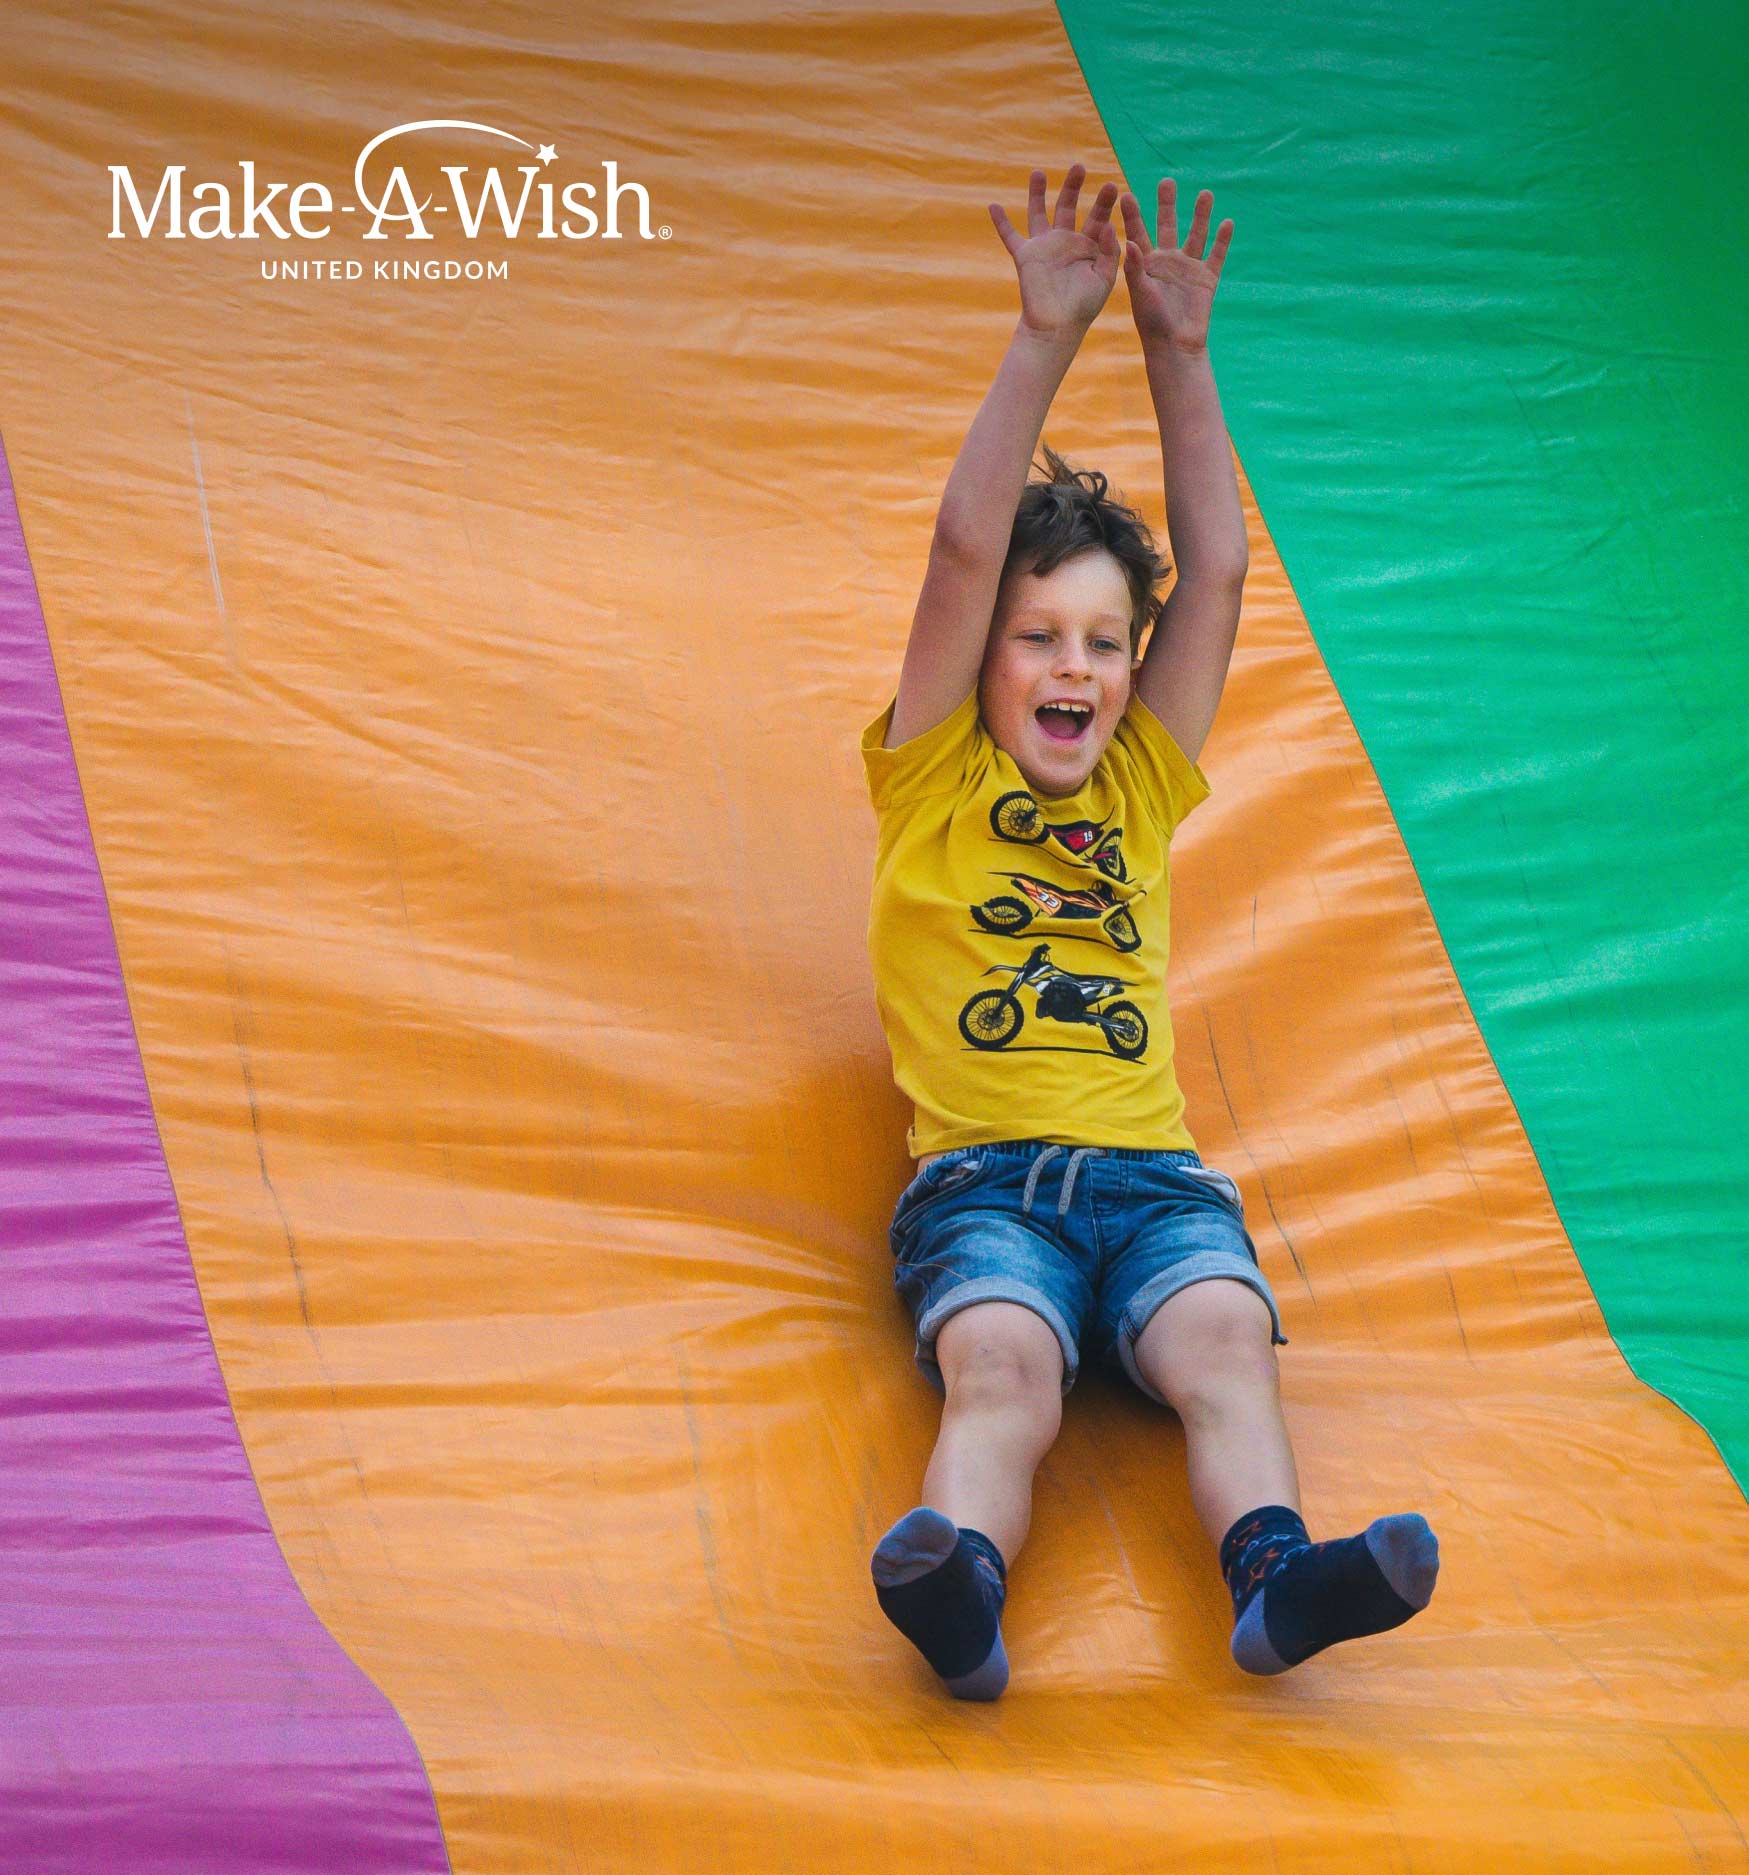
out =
column 1173, row 287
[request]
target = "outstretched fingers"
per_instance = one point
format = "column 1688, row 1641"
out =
column 1099, row 215
column 1035, row 214
column 1199, row 227
column 1068, row 199
column 1223, row 239
column 1166, row 218
column 1199, row 224
column 1166, row 212
column 1166, row 226
column 1067, row 196
column 1006, row 229
column 1135, row 229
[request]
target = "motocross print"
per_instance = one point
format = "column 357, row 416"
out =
column 1020, row 941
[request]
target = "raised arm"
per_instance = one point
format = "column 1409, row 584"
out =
column 1066, row 275
column 1172, row 288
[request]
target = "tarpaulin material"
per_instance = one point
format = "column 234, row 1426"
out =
column 464, row 678
column 1520, row 545
column 168, row 1701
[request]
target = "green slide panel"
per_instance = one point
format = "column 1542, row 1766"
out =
column 1479, row 342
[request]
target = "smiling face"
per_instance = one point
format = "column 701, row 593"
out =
column 1057, row 637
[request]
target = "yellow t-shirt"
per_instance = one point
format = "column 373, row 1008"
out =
column 1019, row 944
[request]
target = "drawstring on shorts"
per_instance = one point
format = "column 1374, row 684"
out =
column 1074, row 1166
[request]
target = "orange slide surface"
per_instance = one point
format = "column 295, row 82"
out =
column 464, row 680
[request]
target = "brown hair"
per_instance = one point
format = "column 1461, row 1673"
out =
column 1070, row 513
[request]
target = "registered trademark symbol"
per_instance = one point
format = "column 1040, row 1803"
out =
column 665, row 232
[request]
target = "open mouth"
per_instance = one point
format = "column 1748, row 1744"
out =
column 1063, row 725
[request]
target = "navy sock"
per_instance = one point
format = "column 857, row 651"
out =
column 1293, row 1597
column 943, row 1588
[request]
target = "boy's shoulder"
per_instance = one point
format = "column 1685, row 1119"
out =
column 942, row 759
column 1174, row 782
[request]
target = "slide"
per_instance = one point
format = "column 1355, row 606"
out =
column 467, row 477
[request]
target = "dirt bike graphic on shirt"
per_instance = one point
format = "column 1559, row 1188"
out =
column 1006, row 916
column 1017, row 816
column 993, row 1018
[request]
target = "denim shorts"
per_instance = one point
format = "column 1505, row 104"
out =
column 1093, row 1238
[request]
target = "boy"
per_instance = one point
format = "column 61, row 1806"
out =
column 1027, row 778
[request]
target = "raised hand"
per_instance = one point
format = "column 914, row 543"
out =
column 1066, row 274
column 1173, row 287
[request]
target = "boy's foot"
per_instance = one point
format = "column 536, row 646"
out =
column 1292, row 1597
column 943, row 1589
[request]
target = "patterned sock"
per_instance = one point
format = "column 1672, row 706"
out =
column 943, row 1588
column 1293, row 1597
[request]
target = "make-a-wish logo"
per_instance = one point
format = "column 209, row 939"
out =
column 393, row 204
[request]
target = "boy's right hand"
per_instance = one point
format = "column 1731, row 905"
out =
column 1065, row 275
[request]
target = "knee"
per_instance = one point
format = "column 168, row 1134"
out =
column 1227, row 1371
column 998, row 1365
column 1244, row 1370
column 1208, row 1365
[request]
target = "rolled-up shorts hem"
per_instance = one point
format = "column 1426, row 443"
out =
column 1201, row 1268
column 991, row 1289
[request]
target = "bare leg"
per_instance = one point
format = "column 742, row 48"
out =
column 1208, row 1350
column 1003, row 1371
column 941, row 1571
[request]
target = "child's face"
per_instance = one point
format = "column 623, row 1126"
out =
column 1061, row 635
